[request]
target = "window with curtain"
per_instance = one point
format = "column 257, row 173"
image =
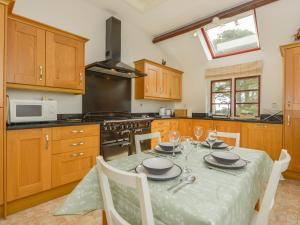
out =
column 247, row 96
column 221, row 97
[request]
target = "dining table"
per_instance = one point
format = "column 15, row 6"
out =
column 217, row 197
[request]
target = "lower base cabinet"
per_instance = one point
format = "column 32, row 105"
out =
column 41, row 159
column 28, row 162
column 261, row 136
column 72, row 166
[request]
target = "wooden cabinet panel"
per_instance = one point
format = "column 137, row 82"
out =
column 26, row 54
column 175, row 84
column 72, row 166
column 161, row 82
column 292, row 79
column 69, row 145
column 2, row 52
column 1, row 153
column 62, row 133
column 206, row 124
column 163, row 127
column 227, row 126
column 64, row 61
column 185, row 127
column 28, row 162
column 267, row 137
column 292, row 138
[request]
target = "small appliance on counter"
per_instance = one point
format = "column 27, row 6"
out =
column 21, row 111
column 181, row 112
column 162, row 111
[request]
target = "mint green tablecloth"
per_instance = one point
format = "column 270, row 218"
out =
column 216, row 198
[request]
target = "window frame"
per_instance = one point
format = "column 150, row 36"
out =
column 210, row 48
column 211, row 94
column 259, row 91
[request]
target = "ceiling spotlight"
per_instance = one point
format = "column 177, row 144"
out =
column 216, row 20
column 195, row 34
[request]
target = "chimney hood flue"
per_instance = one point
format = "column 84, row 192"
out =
column 113, row 65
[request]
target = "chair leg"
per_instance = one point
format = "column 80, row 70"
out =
column 104, row 221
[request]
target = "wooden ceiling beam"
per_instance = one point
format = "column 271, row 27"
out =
column 222, row 15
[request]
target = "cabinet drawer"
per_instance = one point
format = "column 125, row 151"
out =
column 68, row 145
column 60, row 133
column 160, row 123
column 72, row 166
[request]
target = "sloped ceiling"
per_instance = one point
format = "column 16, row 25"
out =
column 158, row 16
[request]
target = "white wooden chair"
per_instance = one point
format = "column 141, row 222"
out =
column 143, row 137
column 235, row 136
column 137, row 181
column 262, row 216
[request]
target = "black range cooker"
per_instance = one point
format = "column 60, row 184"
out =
column 118, row 131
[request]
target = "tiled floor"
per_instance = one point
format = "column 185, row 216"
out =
column 286, row 211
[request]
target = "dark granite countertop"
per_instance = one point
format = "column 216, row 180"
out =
column 59, row 123
column 76, row 122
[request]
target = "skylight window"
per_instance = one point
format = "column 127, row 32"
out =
column 235, row 36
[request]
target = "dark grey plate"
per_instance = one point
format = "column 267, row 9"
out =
column 216, row 146
column 237, row 165
column 159, row 149
column 171, row 174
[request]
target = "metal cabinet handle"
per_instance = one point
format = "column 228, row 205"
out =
column 46, row 141
column 288, row 120
column 77, row 144
column 77, row 154
column 77, row 131
column 41, row 72
column 80, row 77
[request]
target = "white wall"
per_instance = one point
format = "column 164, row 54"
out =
column 88, row 20
column 277, row 22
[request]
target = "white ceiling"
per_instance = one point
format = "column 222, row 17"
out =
column 159, row 16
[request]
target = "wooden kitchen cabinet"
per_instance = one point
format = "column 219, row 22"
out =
column 291, row 54
column 1, row 154
column 26, row 54
column 28, row 162
column 41, row 57
column 64, row 62
column 161, row 82
column 2, row 51
column 227, row 126
column 74, row 153
column 262, row 136
column 72, row 166
column 185, row 127
column 161, row 126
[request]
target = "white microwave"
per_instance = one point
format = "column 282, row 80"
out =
column 21, row 111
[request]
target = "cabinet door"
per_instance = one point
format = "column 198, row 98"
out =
column 64, row 61
column 206, row 124
column 2, row 51
column 266, row 137
column 151, row 80
column 291, row 138
column 1, row 154
column 227, row 126
column 292, row 79
column 162, row 84
column 72, row 166
column 185, row 127
column 175, row 86
column 26, row 54
column 28, row 162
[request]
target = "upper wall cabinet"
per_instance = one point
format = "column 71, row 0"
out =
column 161, row 82
column 44, row 58
column 2, row 51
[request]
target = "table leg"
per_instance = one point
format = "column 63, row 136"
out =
column 104, row 221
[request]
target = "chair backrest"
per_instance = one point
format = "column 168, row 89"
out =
column 235, row 136
column 143, row 137
column 268, row 199
column 137, row 181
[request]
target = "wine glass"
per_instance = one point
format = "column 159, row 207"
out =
column 186, row 146
column 174, row 139
column 198, row 132
column 211, row 137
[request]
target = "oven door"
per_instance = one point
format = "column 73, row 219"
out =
column 115, row 150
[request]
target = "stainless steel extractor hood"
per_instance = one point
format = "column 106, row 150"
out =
column 113, row 65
